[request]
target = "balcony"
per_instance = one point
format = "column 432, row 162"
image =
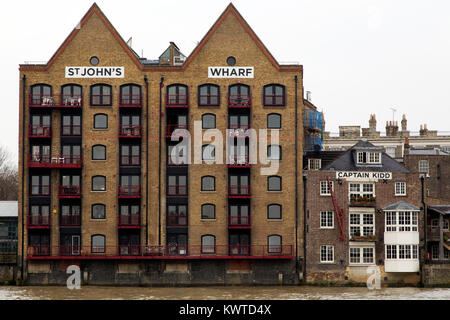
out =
column 69, row 192
column 170, row 128
column 239, row 191
column 40, row 190
column 129, row 192
column 129, row 221
column 176, row 190
column 38, row 221
column 239, row 101
column 238, row 131
column 49, row 101
column 71, row 131
column 69, row 220
column 130, row 101
column 167, row 252
column 129, row 131
column 363, row 202
column 239, row 161
column 174, row 220
column 47, row 161
column 363, row 238
column 39, row 131
column 177, row 101
column 130, row 161
column 239, row 222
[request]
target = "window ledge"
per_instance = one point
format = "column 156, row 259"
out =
column 208, row 192
column 274, row 220
column 275, row 192
column 207, row 220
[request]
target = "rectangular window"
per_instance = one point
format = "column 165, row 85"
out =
column 362, row 255
column 435, row 224
column 357, row 190
column 368, row 157
column 406, row 221
column 391, row 221
column 391, row 252
column 326, row 220
column 423, row 166
column 435, row 252
column 314, row 164
column 324, row 188
column 400, row 188
column 326, row 254
column 445, row 224
column 362, row 224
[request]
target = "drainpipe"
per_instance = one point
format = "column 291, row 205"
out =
column 305, row 177
column 24, row 79
column 146, row 169
column 296, row 175
column 161, row 84
column 425, row 213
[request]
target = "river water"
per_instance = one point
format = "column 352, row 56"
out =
column 221, row 293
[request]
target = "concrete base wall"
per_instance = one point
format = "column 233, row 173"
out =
column 165, row 273
column 7, row 272
column 436, row 275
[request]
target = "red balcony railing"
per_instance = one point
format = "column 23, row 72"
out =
column 129, row 191
column 69, row 220
column 40, row 190
column 130, row 160
column 48, row 161
column 63, row 101
column 71, row 130
column 38, row 221
column 39, row 131
column 132, row 251
column 130, row 101
column 129, row 220
column 129, row 131
column 177, row 190
column 239, row 191
column 239, row 161
column 238, row 221
column 69, row 191
column 238, row 131
column 175, row 220
column 177, row 101
column 172, row 127
column 239, row 101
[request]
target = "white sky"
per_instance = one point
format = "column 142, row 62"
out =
column 359, row 56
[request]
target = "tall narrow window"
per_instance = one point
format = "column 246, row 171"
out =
column 72, row 95
column 71, row 125
column 130, row 95
column 41, row 94
column 208, row 244
column 274, row 243
column 99, row 152
column 177, row 95
column 98, row 243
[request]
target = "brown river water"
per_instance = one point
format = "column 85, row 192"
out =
column 222, row 293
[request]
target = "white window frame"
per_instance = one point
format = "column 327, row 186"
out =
column 314, row 164
column 361, row 257
column 434, row 223
column 391, row 151
column 422, row 166
column 328, row 249
column 445, row 224
column 401, row 252
column 400, row 189
column 326, row 189
column 370, row 157
column 361, row 192
column 327, row 217
column 361, row 225
column 410, row 221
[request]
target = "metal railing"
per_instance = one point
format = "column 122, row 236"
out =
column 237, row 221
column 72, row 130
column 177, row 101
column 129, row 220
column 176, row 190
column 38, row 220
column 129, row 191
column 130, row 131
column 239, row 191
column 49, row 161
column 40, row 131
column 130, row 160
column 130, row 100
column 69, row 191
column 68, row 220
column 175, row 220
column 170, row 128
column 239, row 101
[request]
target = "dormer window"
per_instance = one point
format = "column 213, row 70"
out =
column 369, row 157
column 314, row 164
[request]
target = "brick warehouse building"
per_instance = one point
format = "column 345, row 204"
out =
column 100, row 191
column 363, row 209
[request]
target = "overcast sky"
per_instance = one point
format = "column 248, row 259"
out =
column 359, row 56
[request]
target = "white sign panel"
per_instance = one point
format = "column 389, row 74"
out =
column 95, row 72
column 358, row 175
column 231, row 72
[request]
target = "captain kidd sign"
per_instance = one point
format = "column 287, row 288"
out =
column 231, row 72
column 363, row 176
column 95, row 72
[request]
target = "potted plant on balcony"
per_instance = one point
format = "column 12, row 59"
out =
column 356, row 236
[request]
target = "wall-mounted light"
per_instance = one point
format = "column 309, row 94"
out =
column 339, row 180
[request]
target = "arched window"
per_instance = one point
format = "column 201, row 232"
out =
column 99, row 183
column 130, row 95
column 208, row 183
column 208, row 152
column 98, row 211
column 100, row 121
column 274, row 211
column 71, row 95
column 208, row 244
column 208, row 211
column 101, row 95
column 98, row 243
column 274, row 152
column 274, row 243
column 41, row 94
column 239, row 96
column 99, row 152
column 177, row 95
column 208, row 121
column 209, row 95
column 274, row 183
column 274, row 95
column 273, row 121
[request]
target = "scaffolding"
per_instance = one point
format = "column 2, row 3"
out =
column 313, row 126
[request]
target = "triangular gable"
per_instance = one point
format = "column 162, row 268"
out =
column 93, row 9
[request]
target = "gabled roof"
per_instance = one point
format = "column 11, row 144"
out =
column 347, row 162
column 94, row 9
column 9, row 209
column 401, row 206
